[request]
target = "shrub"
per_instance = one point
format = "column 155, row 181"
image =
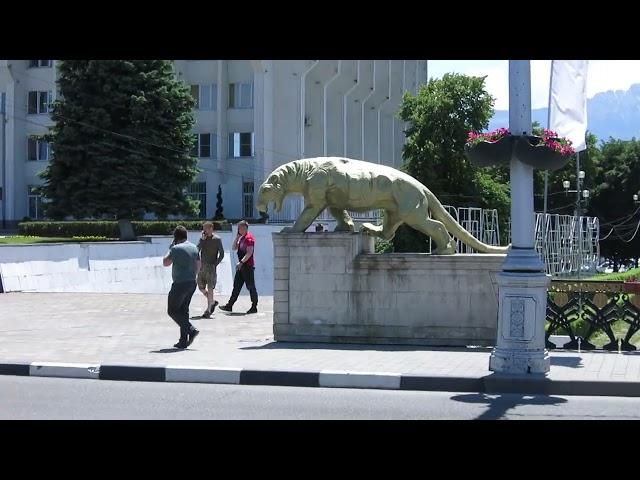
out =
column 109, row 229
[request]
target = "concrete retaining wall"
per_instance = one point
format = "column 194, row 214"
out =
column 330, row 287
column 120, row 267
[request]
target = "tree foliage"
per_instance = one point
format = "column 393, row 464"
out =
column 617, row 179
column 219, row 215
column 121, row 141
column 439, row 118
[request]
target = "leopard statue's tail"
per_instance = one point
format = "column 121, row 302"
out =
column 438, row 212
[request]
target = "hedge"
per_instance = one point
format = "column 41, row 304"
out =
column 110, row 228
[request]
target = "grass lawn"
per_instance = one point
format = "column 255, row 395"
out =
column 634, row 272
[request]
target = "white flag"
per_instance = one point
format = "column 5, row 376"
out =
column 568, row 101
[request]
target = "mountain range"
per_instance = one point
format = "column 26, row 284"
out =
column 609, row 114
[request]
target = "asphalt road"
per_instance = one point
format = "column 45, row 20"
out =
column 61, row 398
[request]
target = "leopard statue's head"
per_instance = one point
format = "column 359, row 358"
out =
column 272, row 190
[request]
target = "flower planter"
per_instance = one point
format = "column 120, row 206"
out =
column 487, row 154
column 531, row 150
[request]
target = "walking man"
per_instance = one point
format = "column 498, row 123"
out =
column 183, row 256
column 211, row 254
column 245, row 244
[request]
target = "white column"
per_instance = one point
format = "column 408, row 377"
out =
column 363, row 117
column 263, row 118
column 303, row 111
column 521, row 174
column 267, row 118
column 222, row 132
column 520, row 344
column 421, row 73
column 3, row 157
column 522, row 257
column 325, row 116
column 12, row 196
column 345, row 108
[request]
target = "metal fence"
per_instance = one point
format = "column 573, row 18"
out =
column 481, row 223
column 567, row 244
column 591, row 312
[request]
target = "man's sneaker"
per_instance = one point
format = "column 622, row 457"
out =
column 206, row 314
column 192, row 336
column 213, row 307
column 226, row 308
column 252, row 310
column 181, row 345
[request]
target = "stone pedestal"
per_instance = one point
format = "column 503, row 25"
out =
column 331, row 287
column 520, row 346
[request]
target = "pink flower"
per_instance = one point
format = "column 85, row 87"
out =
column 549, row 140
column 561, row 145
column 474, row 138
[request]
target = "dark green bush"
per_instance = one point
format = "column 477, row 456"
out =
column 109, row 229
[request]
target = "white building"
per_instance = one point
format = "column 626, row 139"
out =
column 252, row 116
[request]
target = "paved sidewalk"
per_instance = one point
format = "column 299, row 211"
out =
column 114, row 330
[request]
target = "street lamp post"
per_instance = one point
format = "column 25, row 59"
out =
column 522, row 284
column 582, row 197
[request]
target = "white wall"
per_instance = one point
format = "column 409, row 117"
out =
column 122, row 267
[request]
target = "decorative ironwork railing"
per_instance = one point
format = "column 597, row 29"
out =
column 589, row 310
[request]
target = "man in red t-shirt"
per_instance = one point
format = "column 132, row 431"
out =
column 244, row 243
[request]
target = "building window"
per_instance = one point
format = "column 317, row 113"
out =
column 247, row 199
column 206, row 96
column 240, row 95
column 205, row 145
column 40, row 102
column 198, row 191
column 38, row 149
column 241, row 144
column 39, row 63
column 35, row 202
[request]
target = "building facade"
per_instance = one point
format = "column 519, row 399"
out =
column 251, row 117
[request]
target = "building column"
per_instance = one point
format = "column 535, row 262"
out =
column 12, row 195
column 222, row 131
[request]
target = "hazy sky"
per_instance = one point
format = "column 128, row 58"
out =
column 602, row 75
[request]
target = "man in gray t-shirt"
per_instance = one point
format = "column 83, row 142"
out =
column 185, row 261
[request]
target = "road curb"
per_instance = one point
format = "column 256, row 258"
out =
column 67, row 370
column 490, row 383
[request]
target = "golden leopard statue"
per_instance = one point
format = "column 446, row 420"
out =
column 342, row 184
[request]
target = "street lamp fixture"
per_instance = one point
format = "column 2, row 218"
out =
column 582, row 195
column 566, row 184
